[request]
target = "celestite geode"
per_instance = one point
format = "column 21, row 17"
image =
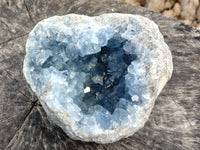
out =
column 97, row 77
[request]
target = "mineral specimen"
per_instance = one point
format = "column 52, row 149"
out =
column 97, row 77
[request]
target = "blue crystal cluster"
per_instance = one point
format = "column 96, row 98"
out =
column 89, row 74
column 86, row 56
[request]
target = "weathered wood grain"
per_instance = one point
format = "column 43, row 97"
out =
column 174, row 122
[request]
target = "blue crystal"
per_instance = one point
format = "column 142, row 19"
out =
column 91, row 74
column 80, row 55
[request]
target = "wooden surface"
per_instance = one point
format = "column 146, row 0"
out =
column 174, row 122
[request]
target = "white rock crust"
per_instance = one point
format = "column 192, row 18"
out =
column 154, row 63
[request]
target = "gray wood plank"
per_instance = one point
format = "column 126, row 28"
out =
column 174, row 122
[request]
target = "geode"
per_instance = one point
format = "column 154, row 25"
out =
column 97, row 77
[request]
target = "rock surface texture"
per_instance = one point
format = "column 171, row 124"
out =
column 97, row 77
column 174, row 120
column 185, row 10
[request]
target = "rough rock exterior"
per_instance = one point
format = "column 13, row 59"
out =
column 97, row 77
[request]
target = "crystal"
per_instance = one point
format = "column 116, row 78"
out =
column 97, row 77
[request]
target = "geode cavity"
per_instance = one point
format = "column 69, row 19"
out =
column 97, row 77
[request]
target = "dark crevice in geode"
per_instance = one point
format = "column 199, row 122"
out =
column 105, row 74
column 111, row 68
